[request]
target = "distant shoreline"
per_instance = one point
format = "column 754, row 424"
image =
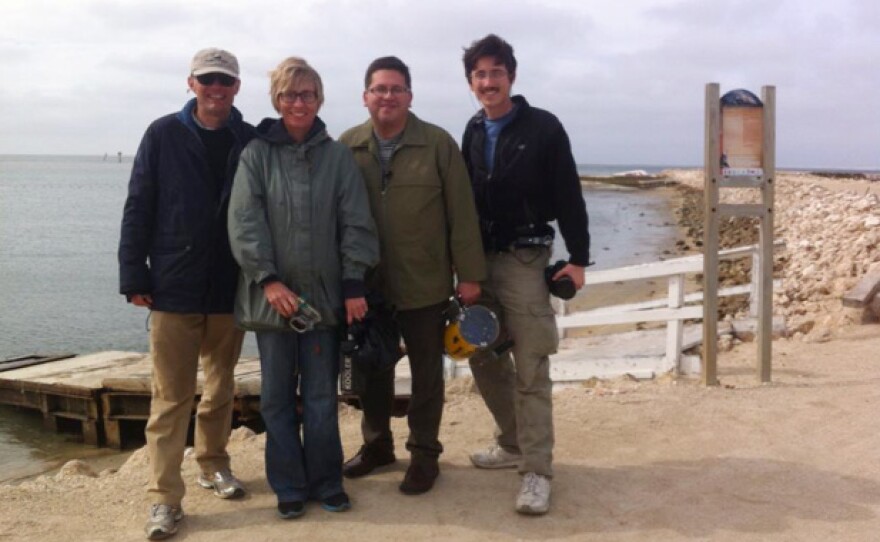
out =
column 643, row 179
column 590, row 170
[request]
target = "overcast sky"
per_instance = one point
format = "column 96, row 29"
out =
column 627, row 78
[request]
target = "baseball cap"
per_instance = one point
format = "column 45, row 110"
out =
column 213, row 60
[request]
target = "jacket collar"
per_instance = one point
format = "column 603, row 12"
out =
column 413, row 133
column 522, row 106
column 235, row 122
column 272, row 130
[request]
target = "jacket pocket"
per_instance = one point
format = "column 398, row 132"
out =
column 252, row 311
column 543, row 336
column 173, row 265
column 170, row 244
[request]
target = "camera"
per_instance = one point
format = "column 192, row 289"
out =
column 563, row 287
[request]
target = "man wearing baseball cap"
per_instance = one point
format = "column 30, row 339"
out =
column 174, row 260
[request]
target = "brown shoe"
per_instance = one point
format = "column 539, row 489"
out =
column 366, row 461
column 420, row 477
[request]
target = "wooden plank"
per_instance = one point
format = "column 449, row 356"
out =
column 665, row 268
column 80, row 372
column 138, row 377
column 27, row 361
column 765, row 293
column 582, row 319
column 577, row 370
column 676, row 266
column 694, row 297
column 112, row 434
column 20, row 398
column 743, row 210
column 711, row 174
column 65, row 389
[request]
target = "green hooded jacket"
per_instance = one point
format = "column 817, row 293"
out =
column 299, row 213
column 427, row 221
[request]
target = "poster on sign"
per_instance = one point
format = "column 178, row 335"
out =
column 742, row 134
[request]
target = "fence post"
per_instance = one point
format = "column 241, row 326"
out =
column 675, row 327
column 754, row 282
column 561, row 310
column 711, row 174
column 765, row 282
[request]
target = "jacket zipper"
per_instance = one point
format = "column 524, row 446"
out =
column 391, row 284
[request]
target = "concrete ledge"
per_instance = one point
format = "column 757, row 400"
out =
column 863, row 292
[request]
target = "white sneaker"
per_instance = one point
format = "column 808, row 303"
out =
column 163, row 521
column 224, row 484
column 534, row 495
column 495, row 457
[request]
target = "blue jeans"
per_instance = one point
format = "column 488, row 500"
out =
column 307, row 466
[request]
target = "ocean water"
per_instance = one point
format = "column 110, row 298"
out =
column 59, row 232
column 59, row 227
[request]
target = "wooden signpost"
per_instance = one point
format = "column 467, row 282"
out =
column 740, row 152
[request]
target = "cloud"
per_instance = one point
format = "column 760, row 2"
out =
column 626, row 79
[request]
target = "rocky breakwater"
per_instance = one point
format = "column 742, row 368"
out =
column 831, row 228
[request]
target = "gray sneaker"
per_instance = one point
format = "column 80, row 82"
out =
column 224, row 484
column 163, row 521
column 534, row 495
column 495, row 457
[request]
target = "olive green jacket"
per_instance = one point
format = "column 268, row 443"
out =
column 427, row 221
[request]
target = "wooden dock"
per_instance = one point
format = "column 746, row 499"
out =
column 98, row 394
column 106, row 396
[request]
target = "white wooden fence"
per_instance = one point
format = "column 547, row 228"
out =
column 611, row 360
column 674, row 309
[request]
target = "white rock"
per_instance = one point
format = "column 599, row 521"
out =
column 241, row 433
column 864, row 204
column 76, row 467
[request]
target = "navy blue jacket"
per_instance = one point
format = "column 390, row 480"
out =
column 174, row 244
column 534, row 181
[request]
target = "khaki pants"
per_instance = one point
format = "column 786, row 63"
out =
column 517, row 391
column 178, row 342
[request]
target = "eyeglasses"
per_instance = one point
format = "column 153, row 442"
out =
column 495, row 73
column 209, row 79
column 289, row 97
column 381, row 90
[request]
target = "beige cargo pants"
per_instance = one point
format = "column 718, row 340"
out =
column 517, row 389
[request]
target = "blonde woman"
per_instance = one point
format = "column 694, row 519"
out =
column 301, row 229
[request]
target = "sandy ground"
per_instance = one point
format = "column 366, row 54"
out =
column 660, row 460
column 666, row 459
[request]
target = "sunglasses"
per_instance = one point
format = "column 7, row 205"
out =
column 208, row 79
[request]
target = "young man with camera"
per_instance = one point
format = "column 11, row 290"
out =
column 524, row 176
